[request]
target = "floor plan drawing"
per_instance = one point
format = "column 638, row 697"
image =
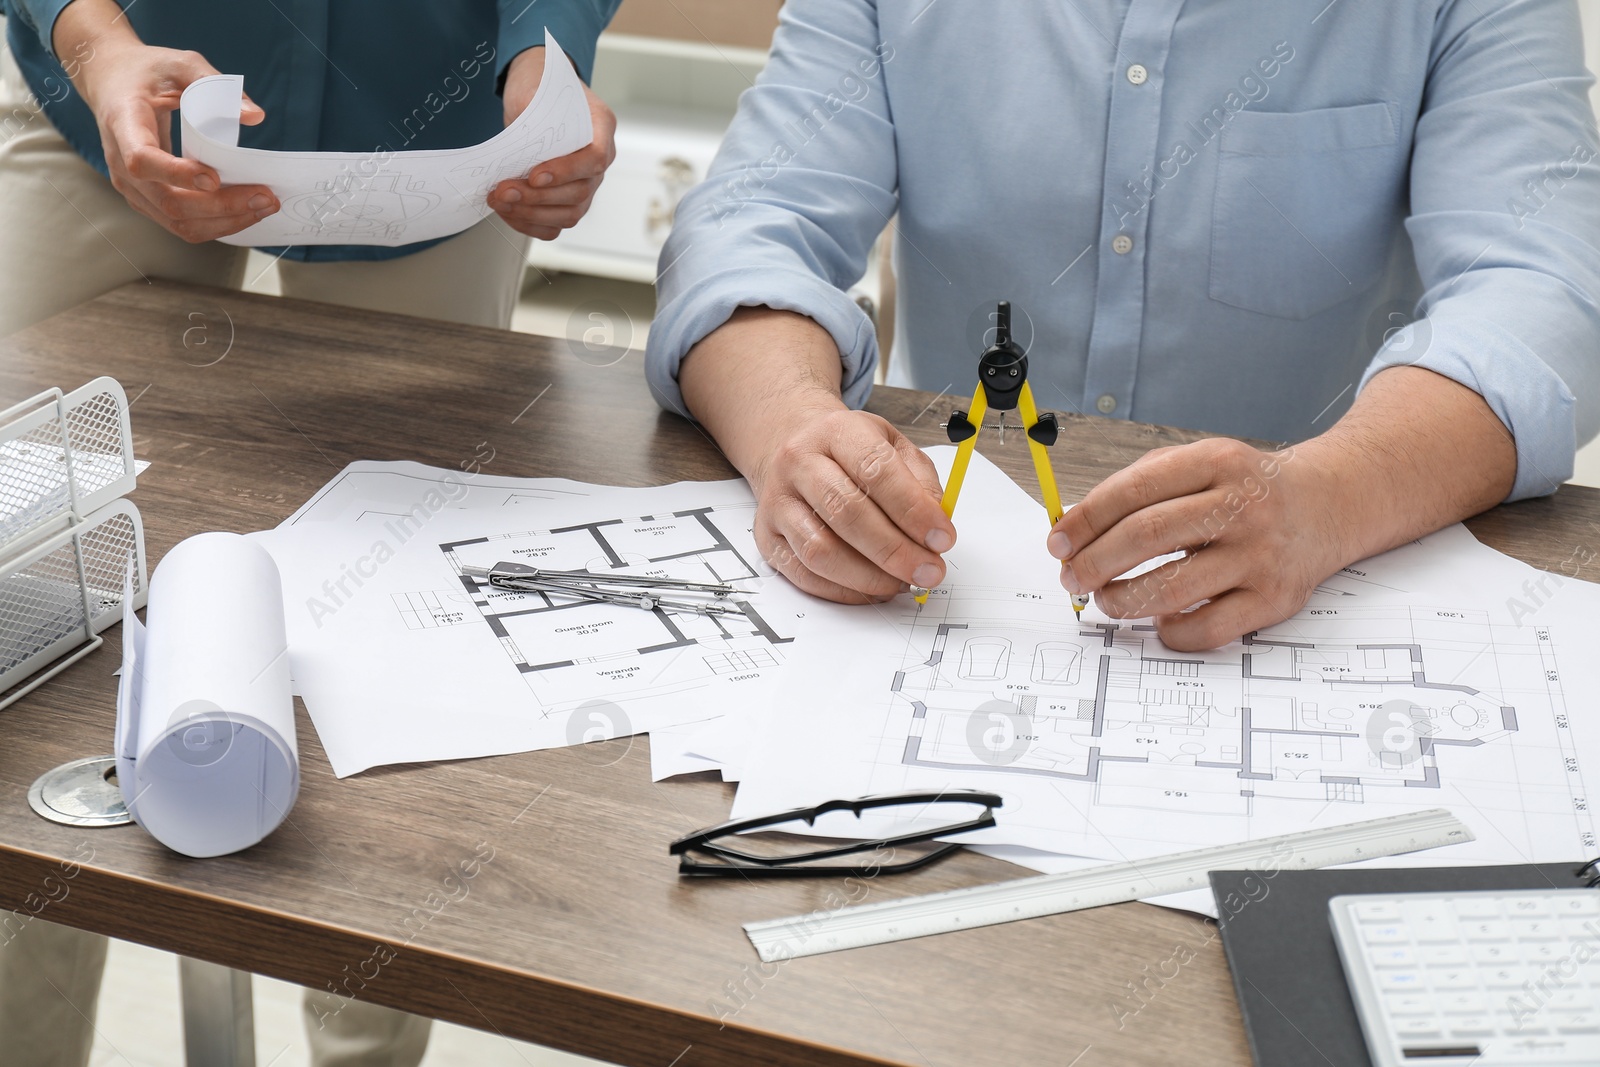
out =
column 1418, row 679
column 565, row 647
column 423, row 611
column 1106, row 742
column 1325, row 718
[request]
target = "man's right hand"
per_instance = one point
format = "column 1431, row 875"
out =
column 133, row 89
column 846, row 507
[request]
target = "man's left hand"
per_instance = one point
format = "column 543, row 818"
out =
column 1259, row 537
column 557, row 193
column 1415, row 452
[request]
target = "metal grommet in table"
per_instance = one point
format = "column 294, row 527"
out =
column 81, row 793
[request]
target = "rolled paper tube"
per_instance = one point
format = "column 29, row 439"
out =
column 206, row 751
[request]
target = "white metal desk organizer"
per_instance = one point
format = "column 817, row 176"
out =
column 65, row 536
column 206, row 752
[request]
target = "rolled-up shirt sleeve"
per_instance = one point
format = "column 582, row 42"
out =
column 801, row 188
column 575, row 24
column 39, row 16
column 1505, row 223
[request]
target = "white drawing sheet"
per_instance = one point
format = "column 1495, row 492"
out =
column 403, row 656
column 1428, row 677
column 387, row 491
column 1434, row 563
column 382, row 197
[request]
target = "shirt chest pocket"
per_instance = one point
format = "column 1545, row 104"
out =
column 1306, row 208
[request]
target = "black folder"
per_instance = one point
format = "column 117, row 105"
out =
column 1286, row 969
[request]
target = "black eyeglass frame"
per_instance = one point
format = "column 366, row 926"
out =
column 744, row 864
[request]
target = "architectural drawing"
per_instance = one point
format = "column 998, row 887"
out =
column 405, row 496
column 362, row 210
column 1382, row 695
column 425, row 611
column 382, row 196
column 558, row 643
column 1316, row 710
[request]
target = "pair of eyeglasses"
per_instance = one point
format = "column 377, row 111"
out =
column 785, row 844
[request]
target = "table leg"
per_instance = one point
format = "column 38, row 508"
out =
column 219, row 1028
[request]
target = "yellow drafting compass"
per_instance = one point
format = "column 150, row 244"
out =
column 1003, row 386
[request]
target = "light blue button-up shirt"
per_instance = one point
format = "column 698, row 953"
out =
column 1213, row 214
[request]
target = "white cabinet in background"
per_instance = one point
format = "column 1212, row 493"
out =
column 673, row 100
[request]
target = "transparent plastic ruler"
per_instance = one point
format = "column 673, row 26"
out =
column 1051, row 894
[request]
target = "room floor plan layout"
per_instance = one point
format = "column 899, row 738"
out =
column 567, row 649
column 1319, row 714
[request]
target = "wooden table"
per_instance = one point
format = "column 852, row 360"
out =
column 577, row 933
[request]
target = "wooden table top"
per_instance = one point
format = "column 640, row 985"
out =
column 577, row 931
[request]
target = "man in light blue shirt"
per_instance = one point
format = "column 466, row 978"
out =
column 1209, row 214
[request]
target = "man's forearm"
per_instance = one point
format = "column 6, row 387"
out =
column 754, row 376
column 1416, row 452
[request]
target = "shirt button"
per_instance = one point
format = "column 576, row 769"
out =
column 1122, row 244
column 1107, row 404
column 1137, row 74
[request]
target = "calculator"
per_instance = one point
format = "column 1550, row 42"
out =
column 1480, row 978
